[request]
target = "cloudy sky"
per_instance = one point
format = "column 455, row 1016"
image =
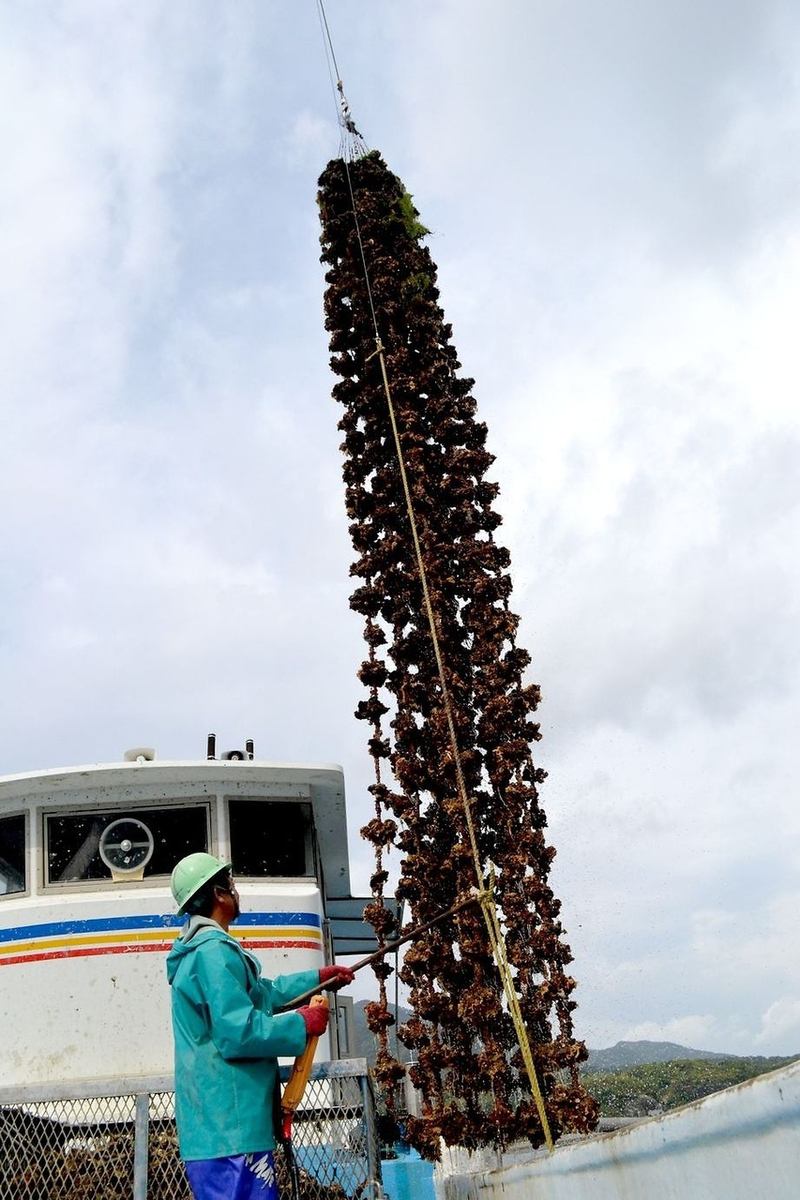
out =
column 613, row 192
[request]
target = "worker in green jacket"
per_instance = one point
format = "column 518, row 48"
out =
column 227, row 1040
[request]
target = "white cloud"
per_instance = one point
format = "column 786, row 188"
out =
column 780, row 1022
column 696, row 1031
column 620, row 258
column 309, row 140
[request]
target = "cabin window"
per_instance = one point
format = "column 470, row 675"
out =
column 270, row 837
column 12, row 855
column 81, row 845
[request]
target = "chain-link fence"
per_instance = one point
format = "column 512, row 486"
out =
column 115, row 1140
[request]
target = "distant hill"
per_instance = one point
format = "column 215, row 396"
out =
column 631, row 1079
column 365, row 1039
column 635, row 1054
column 651, row 1088
column 612, row 1058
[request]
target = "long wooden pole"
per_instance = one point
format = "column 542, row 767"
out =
column 379, row 953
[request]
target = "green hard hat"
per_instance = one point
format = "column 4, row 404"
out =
column 191, row 873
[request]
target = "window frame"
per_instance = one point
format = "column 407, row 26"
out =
column 83, row 810
column 309, row 840
column 25, row 813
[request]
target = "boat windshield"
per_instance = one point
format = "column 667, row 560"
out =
column 81, row 846
column 12, row 855
column 271, row 838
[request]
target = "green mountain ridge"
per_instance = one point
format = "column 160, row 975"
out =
column 650, row 1088
column 634, row 1054
column 621, row 1056
column 630, row 1079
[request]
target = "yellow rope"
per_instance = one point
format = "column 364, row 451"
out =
column 485, row 895
column 488, row 906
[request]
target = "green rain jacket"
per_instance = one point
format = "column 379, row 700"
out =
column 227, row 1042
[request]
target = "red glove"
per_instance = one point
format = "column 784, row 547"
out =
column 316, row 1019
column 336, row 976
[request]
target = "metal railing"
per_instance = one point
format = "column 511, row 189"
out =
column 115, row 1139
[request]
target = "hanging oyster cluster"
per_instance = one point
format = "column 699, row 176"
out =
column 468, row 1064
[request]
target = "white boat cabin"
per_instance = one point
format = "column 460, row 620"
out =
column 86, row 915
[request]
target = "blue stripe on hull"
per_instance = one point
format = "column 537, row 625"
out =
column 149, row 921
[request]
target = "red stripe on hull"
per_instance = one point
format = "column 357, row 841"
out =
column 254, row 944
column 90, row 952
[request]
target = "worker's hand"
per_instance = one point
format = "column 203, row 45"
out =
column 335, row 977
column 316, row 1019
